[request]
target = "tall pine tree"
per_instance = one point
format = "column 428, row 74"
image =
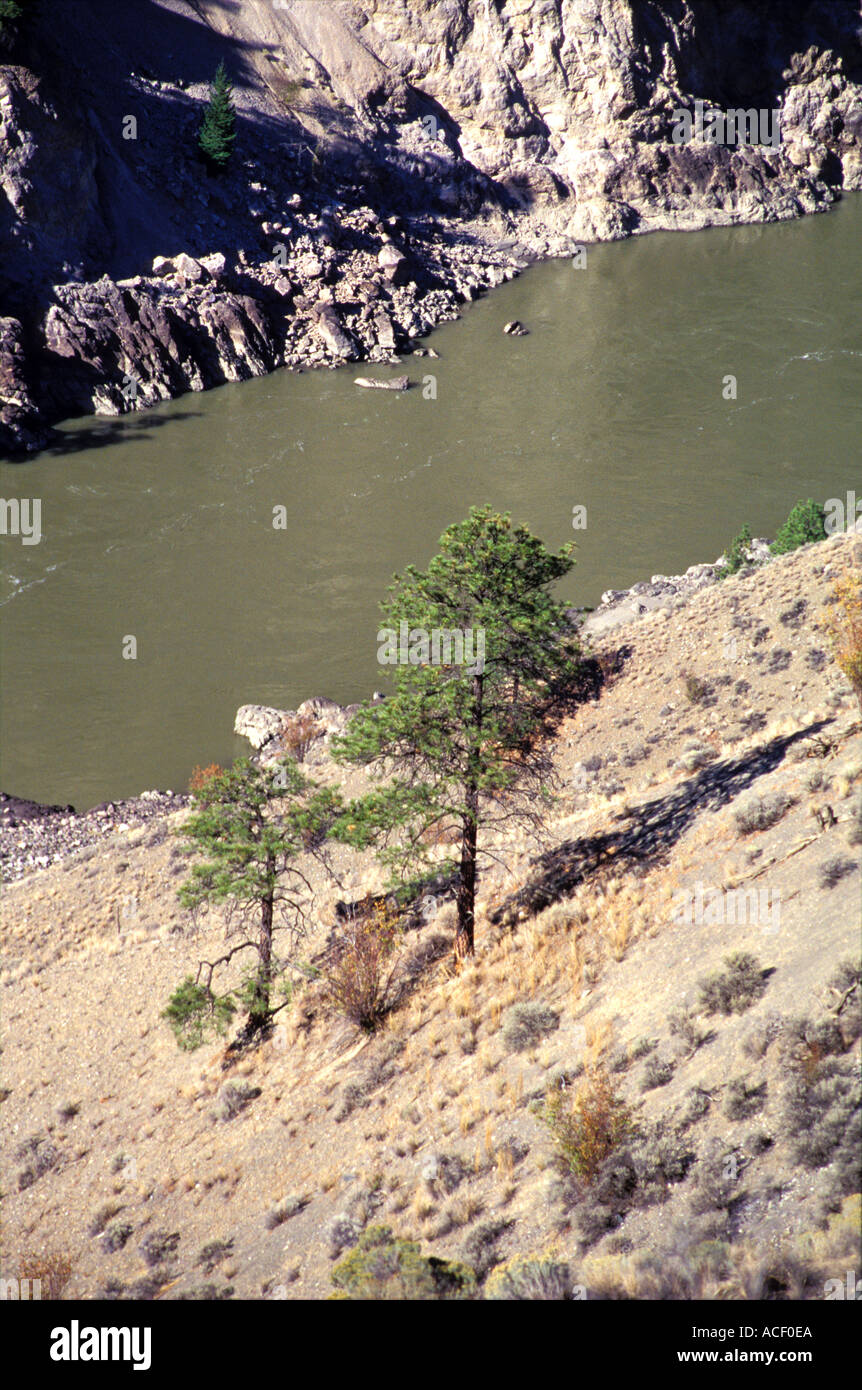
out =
column 218, row 131
column 460, row 745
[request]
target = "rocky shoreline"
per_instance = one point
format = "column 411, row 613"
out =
column 342, row 286
column 33, row 836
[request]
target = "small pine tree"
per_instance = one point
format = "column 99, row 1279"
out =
column 10, row 11
column 218, row 131
column 737, row 553
column 250, row 824
column 804, row 524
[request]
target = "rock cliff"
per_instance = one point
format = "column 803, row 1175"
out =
column 394, row 158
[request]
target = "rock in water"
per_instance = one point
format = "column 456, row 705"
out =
column 516, row 328
column 392, row 383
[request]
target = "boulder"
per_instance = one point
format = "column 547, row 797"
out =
column 190, row 271
column 260, row 723
column 309, row 266
column 214, row 264
column 392, row 383
column 393, row 263
column 384, row 330
column 331, row 332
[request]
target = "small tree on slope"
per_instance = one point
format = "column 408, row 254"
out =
column 460, row 745
column 218, row 131
column 251, row 824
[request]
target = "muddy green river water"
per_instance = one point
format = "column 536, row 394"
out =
column 160, row 526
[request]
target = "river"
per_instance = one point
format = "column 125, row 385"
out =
column 160, row 526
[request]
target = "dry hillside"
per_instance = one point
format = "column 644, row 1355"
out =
column 725, row 752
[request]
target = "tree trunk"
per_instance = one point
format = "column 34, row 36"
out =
column 259, row 1012
column 466, row 896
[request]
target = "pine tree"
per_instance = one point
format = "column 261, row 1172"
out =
column 10, row 11
column 805, row 523
column 250, row 824
column 459, row 746
column 218, row 131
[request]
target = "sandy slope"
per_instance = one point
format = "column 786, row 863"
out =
column 652, row 788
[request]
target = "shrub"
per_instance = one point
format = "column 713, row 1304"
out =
column 234, row 1097
column 735, row 988
column 717, row 1179
column 589, row 1127
column 157, row 1245
column 116, row 1236
column 525, row 1024
column 833, row 870
column 793, row 616
column 343, row 1232
column 213, row 1253
column 384, row 1266
column 683, row 1024
column 697, row 1103
column 39, row 1156
column 480, row 1247
column 696, row 690
column 656, row 1073
column 804, row 524
column 761, row 812
column 758, row 1142
column 843, row 627
column 545, row 1279
column 761, row 1036
column 284, row 1211
column 743, row 1101
column 359, row 982
column 202, row 775
column 737, row 554
column 299, row 734
column 101, row 1217
column 446, row 1171
column 206, row 1293
column 821, row 1116
column 52, row 1269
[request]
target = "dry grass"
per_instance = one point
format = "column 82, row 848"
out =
column 843, row 627
column 53, row 1270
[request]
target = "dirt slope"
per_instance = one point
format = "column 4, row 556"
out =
column 726, row 753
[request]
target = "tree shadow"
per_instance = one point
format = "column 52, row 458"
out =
column 659, row 825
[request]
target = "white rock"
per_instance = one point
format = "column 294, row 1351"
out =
column 259, row 723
